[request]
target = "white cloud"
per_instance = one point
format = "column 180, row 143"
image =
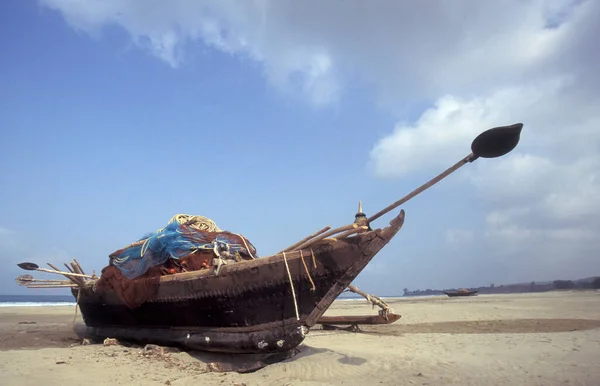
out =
column 252, row 29
column 459, row 236
column 544, row 198
column 463, row 46
column 483, row 64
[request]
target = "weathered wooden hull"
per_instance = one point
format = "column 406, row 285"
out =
column 249, row 307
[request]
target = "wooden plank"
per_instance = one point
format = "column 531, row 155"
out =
column 359, row 319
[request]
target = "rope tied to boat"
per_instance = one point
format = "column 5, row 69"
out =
column 307, row 272
column 76, row 305
column 287, row 267
column 218, row 260
column 245, row 245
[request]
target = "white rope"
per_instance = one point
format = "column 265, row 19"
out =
column 246, row 245
column 292, row 286
column 218, row 256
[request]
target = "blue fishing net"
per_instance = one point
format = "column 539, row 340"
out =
column 176, row 241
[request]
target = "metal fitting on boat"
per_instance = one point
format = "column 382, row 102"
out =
column 262, row 344
column 303, row 331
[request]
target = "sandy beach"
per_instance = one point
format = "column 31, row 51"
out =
column 522, row 339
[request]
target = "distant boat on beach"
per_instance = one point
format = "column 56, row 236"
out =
column 460, row 292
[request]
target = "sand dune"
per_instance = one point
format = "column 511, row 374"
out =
column 526, row 339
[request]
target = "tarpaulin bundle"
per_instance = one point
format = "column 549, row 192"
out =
column 181, row 237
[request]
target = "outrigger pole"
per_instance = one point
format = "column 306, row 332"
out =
column 491, row 143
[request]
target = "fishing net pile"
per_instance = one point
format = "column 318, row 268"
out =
column 186, row 243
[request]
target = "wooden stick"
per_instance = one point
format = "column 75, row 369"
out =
column 77, row 270
column 69, row 268
column 326, row 234
column 358, row 319
column 53, row 267
column 352, row 231
column 371, row 298
column 421, row 188
column 74, row 280
column 51, row 285
column 73, row 268
column 79, row 266
column 68, row 274
column 77, row 280
column 291, row 247
column 134, row 244
column 47, row 281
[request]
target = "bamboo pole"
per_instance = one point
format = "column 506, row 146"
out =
column 69, row 268
column 72, row 269
column 326, row 234
column 25, row 280
column 423, row 187
column 78, row 271
column 68, row 274
column 41, row 281
column 307, row 238
column 74, row 280
column 79, row 266
column 351, row 231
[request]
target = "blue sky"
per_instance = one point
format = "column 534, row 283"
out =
column 107, row 132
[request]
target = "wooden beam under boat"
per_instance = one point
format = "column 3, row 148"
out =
column 359, row 319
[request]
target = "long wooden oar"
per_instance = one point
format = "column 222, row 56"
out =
column 492, row 143
column 34, row 267
column 25, row 280
column 72, row 285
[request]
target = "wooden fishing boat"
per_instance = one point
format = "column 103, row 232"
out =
column 453, row 294
column 248, row 307
column 262, row 305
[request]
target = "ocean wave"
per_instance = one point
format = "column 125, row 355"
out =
column 36, row 304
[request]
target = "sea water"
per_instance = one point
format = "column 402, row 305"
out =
column 36, row 300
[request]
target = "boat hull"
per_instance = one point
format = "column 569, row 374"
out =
column 264, row 340
column 248, row 307
column 457, row 294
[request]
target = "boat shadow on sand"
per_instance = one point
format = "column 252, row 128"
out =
column 44, row 332
column 245, row 363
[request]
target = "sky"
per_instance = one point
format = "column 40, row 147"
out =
column 274, row 118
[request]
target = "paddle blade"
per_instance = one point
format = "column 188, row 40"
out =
column 497, row 142
column 24, row 279
column 28, row 266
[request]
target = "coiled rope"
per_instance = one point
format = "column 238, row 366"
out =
column 200, row 223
